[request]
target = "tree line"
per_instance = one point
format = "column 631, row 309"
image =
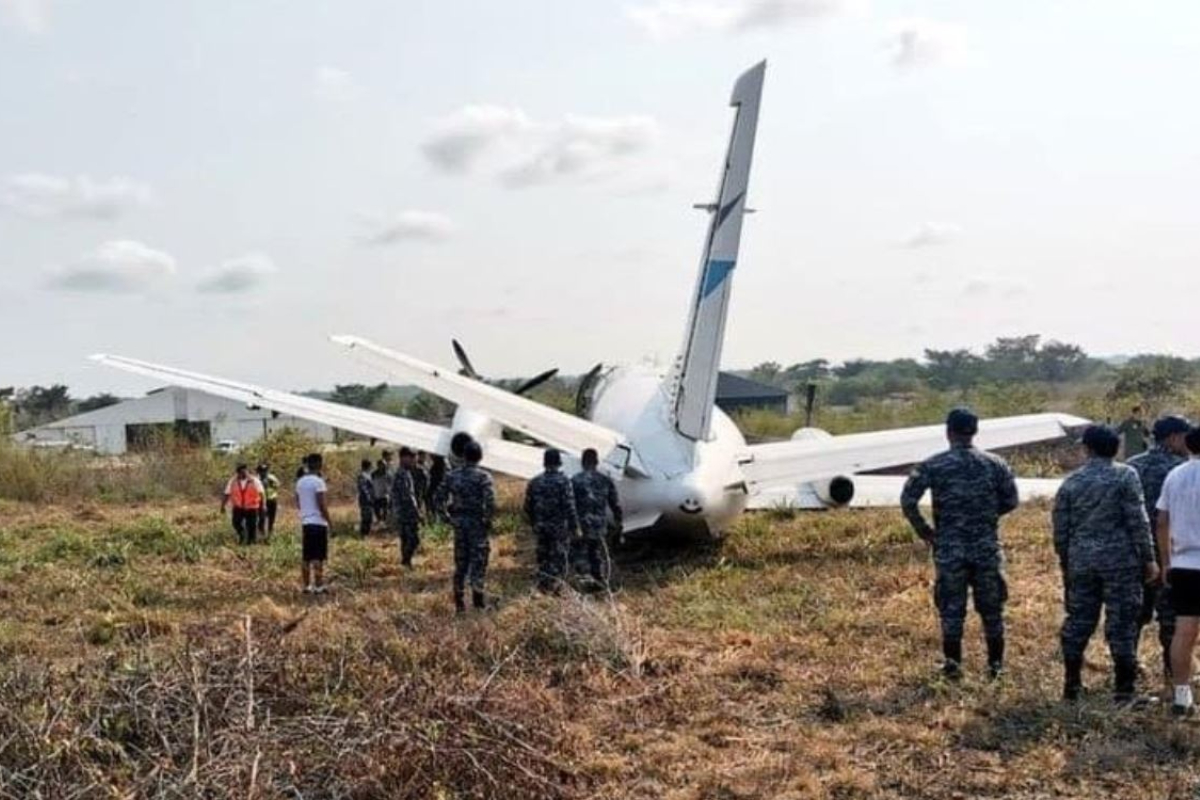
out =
column 1025, row 360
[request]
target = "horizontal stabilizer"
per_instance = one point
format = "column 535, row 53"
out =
column 510, row 458
column 801, row 461
column 538, row 421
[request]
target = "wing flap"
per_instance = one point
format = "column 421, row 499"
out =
column 541, row 422
column 797, row 462
column 510, row 458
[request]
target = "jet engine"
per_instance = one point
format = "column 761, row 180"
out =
column 833, row 492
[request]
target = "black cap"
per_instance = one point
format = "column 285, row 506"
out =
column 241, row 465
column 406, row 452
column 1102, row 440
column 472, row 453
column 962, row 422
column 1165, row 427
column 551, row 458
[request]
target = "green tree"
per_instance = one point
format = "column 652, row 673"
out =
column 96, row 401
column 952, row 369
column 768, row 372
column 38, row 405
column 1013, row 358
column 358, row 395
column 1059, row 362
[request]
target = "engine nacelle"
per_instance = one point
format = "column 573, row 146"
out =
column 810, row 435
column 836, row 492
column 478, row 426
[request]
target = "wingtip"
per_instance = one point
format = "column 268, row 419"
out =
column 98, row 357
column 344, row 339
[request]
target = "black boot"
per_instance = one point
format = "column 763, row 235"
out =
column 952, row 663
column 459, row 605
column 477, row 599
column 1073, row 678
column 995, row 650
column 1125, row 684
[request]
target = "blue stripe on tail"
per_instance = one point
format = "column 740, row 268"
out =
column 718, row 270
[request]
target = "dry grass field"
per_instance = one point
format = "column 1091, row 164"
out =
column 142, row 654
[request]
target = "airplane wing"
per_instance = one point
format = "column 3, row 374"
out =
column 541, row 422
column 879, row 491
column 510, row 458
column 777, row 464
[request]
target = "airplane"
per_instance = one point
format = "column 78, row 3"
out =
column 679, row 462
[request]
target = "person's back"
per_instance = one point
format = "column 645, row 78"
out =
column 970, row 492
column 550, row 501
column 1180, row 498
column 381, row 482
column 308, row 487
column 1152, row 468
column 1100, row 515
column 470, row 494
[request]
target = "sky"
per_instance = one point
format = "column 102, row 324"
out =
column 220, row 184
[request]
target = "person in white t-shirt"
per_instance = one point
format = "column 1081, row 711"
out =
column 1179, row 549
column 314, row 525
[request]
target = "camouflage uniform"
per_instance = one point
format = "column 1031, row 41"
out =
column 1152, row 467
column 595, row 496
column 971, row 490
column 366, row 502
column 1102, row 537
column 407, row 514
column 470, row 499
column 550, row 506
column 420, row 481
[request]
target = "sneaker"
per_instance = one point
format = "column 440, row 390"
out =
column 322, row 589
column 309, row 589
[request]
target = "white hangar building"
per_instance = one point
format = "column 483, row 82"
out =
column 140, row 423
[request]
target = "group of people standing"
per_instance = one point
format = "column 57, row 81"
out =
column 570, row 517
column 255, row 501
column 401, row 496
column 1127, row 538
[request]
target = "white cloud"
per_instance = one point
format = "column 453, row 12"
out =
column 931, row 234
column 924, row 42
column 120, row 266
column 408, row 225
column 666, row 19
column 334, row 85
column 238, row 275
column 524, row 152
column 53, row 196
column 29, row 15
column 460, row 139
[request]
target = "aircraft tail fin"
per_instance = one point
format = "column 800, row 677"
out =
column 693, row 379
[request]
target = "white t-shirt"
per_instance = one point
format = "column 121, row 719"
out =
column 307, row 489
column 1180, row 498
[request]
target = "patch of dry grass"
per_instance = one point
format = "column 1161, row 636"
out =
column 142, row 654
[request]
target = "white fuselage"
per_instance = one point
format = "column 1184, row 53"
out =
column 676, row 482
column 687, row 484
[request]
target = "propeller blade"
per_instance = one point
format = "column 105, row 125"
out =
column 468, row 368
column 535, row 381
column 583, row 395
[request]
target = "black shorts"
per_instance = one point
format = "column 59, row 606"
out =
column 315, row 542
column 1185, row 592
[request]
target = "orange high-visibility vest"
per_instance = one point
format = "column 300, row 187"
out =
column 246, row 496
